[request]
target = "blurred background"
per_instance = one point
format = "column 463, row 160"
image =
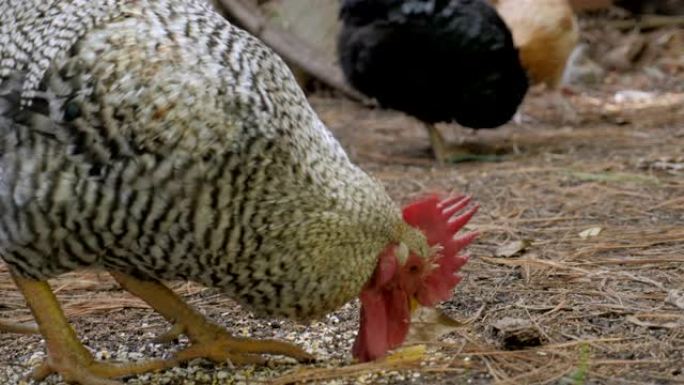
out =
column 624, row 65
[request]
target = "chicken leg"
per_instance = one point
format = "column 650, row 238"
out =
column 453, row 153
column 66, row 355
column 208, row 339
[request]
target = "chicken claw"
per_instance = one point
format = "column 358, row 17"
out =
column 66, row 355
column 86, row 371
column 216, row 344
column 208, row 339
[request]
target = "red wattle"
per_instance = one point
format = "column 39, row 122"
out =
column 385, row 307
column 371, row 340
column 398, row 316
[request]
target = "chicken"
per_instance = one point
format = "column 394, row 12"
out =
column 546, row 33
column 437, row 60
column 156, row 141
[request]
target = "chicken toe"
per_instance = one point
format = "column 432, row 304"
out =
column 208, row 339
column 87, row 371
column 16, row 327
column 220, row 346
column 66, row 355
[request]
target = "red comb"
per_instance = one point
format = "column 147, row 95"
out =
column 440, row 220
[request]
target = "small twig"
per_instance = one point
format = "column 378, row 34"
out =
column 648, row 22
column 550, row 309
column 624, row 362
column 532, row 261
column 642, row 279
column 537, row 326
column 542, row 220
column 633, row 261
column 475, row 316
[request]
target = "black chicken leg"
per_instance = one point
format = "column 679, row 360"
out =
column 446, row 152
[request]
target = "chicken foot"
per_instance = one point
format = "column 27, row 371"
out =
column 66, row 354
column 208, row 339
column 446, row 152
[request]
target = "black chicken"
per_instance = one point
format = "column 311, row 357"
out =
column 438, row 60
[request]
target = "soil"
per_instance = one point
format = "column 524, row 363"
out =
column 593, row 295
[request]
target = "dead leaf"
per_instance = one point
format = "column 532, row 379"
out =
column 512, row 248
column 590, row 232
column 676, row 297
column 429, row 324
column 615, row 177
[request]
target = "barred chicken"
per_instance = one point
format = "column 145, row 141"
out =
column 156, row 141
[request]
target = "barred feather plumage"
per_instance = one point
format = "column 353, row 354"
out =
column 155, row 138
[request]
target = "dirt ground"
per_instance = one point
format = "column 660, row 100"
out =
column 578, row 276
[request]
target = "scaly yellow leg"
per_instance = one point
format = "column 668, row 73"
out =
column 66, row 355
column 208, row 339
